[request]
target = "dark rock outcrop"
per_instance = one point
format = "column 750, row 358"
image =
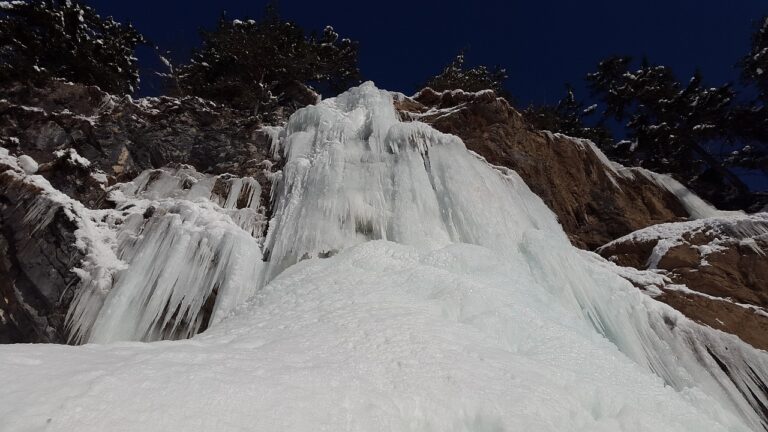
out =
column 37, row 252
column 122, row 137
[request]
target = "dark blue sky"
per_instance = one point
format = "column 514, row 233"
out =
column 541, row 43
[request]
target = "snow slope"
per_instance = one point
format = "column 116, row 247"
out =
column 379, row 338
column 409, row 286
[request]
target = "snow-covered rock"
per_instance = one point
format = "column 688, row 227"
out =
column 122, row 137
column 180, row 251
column 27, row 164
column 716, row 269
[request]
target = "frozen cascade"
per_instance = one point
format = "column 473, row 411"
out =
column 354, row 173
column 176, row 259
column 191, row 253
column 482, row 318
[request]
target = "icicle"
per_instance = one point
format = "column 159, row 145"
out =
column 238, row 197
column 179, row 261
column 190, row 244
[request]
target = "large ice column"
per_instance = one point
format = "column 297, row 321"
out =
column 354, row 172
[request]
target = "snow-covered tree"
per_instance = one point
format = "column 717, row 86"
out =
column 42, row 39
column 266, row 64
column 750, row 120
column 754, row 66
column 455, row 76
column 674, row 127
column 568, row 117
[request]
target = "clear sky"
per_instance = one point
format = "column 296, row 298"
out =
column 541, row 43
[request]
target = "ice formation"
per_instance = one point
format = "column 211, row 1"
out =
column 696, row 207
column 180, row 252
column 408, row 285
column 354, row 172
column 178, row 260
column 238, row 197
column 190, row 244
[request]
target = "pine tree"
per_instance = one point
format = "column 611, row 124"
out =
column 754, row 66
column 672, row 126
column 66, row 39
column 568, row 117
column 749, row 121
column 455, row 76
column 267, row 64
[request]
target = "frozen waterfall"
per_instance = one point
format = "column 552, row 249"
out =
column 403, row 284
column 354, row 173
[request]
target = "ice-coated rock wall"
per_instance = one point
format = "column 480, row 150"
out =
column 405, row 284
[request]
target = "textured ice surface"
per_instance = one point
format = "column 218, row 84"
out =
column 354, row 173
column 190, row 244
column 180, row 251
column 238, row 197
column 409, row 286
column 175, row 260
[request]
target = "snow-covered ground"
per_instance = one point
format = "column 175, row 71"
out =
column 409, row 286
column 379, row 338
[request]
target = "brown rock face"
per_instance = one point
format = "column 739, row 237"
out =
column 723, row 263
column 594, row 203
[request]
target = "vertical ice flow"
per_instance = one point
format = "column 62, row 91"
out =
column 190, row 244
